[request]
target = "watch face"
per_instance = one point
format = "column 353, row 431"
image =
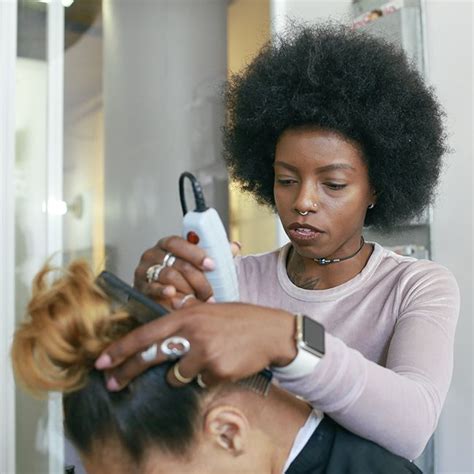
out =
column 313, row 336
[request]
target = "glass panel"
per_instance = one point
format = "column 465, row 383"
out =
column 248, row 28
column 30, row 220
column 83, row 234
column 83, row 165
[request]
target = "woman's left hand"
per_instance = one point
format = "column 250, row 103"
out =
column 228, row 342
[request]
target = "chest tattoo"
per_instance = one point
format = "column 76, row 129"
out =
column 307, row 283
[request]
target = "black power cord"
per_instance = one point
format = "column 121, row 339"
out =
column 197, row 191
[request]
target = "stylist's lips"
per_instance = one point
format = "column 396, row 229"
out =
column 303, row 232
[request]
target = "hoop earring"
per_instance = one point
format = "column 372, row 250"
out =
column 371, row 206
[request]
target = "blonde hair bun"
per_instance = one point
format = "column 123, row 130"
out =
column 69, row 323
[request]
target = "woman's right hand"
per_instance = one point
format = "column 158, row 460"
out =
column 186, row 275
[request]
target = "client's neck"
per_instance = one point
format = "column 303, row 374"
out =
column 281, row 418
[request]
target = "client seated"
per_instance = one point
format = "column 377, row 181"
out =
column 151, row 427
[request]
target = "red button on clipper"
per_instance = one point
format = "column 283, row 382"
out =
column 192, row 237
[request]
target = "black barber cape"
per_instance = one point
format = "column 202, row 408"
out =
column 334, row 450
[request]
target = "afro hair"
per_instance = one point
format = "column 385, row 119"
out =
column 364, row 88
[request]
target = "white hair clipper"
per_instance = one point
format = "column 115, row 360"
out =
column 204, row 227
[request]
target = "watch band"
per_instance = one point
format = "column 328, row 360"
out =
column 305, row 361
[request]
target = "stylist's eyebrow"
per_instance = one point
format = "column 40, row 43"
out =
column 321, row 169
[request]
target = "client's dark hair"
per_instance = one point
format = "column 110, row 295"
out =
column 70, row 322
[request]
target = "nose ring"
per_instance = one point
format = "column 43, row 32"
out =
column 305, row 213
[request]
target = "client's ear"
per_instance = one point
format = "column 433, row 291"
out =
column 228, row 428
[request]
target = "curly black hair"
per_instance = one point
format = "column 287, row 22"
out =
column 364, row 88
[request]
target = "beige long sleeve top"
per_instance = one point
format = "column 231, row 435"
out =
column 389, row 343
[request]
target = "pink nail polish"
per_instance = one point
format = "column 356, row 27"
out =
column 169, row 291
column 103, row 362
column 208, row 264
column 112, row 384
column 211, row 300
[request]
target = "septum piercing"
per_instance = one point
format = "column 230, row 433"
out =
column 305, row 213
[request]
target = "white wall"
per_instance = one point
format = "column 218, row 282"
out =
column 450, row 56
column 311, row 11
column 164, row 62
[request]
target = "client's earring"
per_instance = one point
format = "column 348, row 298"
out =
column 371, row 206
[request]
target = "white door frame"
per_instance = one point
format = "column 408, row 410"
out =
column 8, row 42
column 55, row 100
column 54, row 193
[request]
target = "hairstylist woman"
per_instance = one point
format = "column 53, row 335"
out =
column 335, row 130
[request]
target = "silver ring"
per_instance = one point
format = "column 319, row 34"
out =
column 200, row 381
column 185, row 298
column 305, row 213
column 169, row 260
column 175, row 346
column 149, row 354
column 153, row 272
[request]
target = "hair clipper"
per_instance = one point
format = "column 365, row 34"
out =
column 204, row 227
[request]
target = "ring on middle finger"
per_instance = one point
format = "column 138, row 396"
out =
column 184, row 300
column 153, row 272
column 168, row 260
column 175, row 347
column 149, row 354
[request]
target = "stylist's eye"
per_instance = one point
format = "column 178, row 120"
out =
column 335, row 186
column 285, row 181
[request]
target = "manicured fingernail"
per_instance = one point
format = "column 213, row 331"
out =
column 169, row 291
column 236, row 242
column 208, row 264
column 103, row 362
column 176, row 303
column 211, row 300
column 112, row 384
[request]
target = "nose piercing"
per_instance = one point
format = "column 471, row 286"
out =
column 305, row 213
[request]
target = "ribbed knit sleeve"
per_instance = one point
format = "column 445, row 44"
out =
column 388, row 378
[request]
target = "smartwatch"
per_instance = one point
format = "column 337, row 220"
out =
column 310, row 348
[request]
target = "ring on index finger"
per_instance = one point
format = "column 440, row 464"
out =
column 175, row 347
column 153, row 272
column 169, row 260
